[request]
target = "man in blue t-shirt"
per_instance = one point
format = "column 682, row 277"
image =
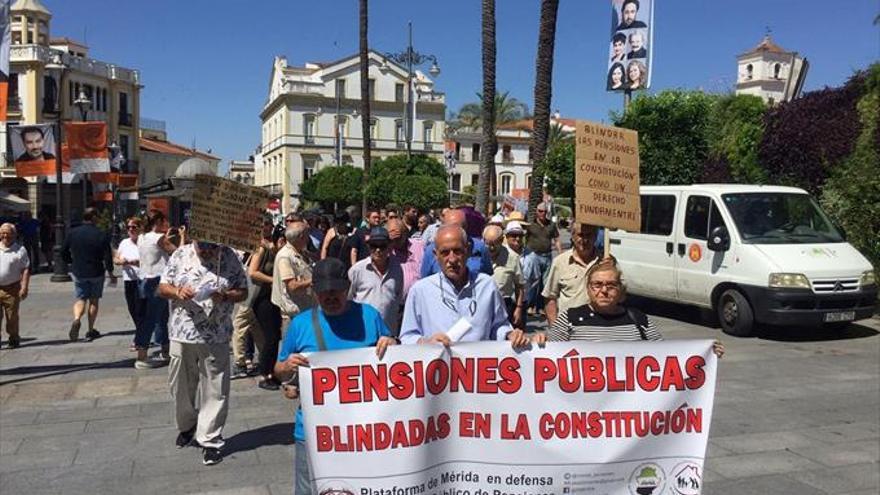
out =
column 343, row 324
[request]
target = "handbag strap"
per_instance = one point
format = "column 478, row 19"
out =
column 637, row 321
column 319, row 334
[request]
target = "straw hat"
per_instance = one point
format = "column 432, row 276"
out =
column 517, row 216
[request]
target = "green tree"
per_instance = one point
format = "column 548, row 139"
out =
column 385, row 173
column 673, row 128
column 851, row 196
column 422, row 191
column 735, row 132
column 558, row 168
column 507, row 109
column 334, row 185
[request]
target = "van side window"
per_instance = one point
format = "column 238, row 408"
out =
column 701, row 217
column 658, row 214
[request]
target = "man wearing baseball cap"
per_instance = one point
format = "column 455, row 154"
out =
column 335, row 324
column 377, row 280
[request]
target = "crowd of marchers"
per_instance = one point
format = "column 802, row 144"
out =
column 391, row 276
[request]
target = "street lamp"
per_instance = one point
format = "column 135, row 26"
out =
column 118, row 160
column 60, row 273
column 412, row 58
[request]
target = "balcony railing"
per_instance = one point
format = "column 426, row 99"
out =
column 44, row 55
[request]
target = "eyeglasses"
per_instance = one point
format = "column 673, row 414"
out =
column 378, row 247
column 541, row 211
column 133, row 227
column 609, row 286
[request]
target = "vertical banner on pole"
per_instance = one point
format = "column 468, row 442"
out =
column 631, row 45
column 5, row 41
column 32, row 147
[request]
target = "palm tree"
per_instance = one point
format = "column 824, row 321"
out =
column 543, row 96
column 558, row 135
column 490, row 143
column 507, row 109
column 365, row 95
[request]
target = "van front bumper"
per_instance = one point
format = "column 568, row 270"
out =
column 803, row 307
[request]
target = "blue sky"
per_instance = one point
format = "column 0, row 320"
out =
column 205, row 63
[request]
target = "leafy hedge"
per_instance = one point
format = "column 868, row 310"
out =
column 385, row 176
column 334, row 185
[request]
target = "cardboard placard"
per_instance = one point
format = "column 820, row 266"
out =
column 227, row 212
column 607, row 176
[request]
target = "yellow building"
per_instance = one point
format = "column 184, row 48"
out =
column 41, row 94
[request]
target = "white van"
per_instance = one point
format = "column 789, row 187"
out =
column 765, row 254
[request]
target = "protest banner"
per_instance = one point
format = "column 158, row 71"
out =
column 227, row 212
column 607, row 176
column 481, row 418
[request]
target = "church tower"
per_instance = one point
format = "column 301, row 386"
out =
column 771, row 72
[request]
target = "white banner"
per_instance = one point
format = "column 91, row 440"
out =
column 481, row 419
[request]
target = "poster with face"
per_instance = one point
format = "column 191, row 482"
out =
column 630, row 41
column 33, row 149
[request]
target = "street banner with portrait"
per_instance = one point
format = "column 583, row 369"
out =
column 630, row 47
column 607, row 176
column 573, row 417
column 33, row 149
column 227, row 212
column 5, row 43
column 87, row 145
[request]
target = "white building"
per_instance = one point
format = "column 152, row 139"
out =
column 771, row 72
column 241, row 171
column 299, row 117
column 513, row 161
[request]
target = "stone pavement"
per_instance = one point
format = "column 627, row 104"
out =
column 795, row 412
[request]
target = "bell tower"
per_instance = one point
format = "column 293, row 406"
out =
column 771, row 72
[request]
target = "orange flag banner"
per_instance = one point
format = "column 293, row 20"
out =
column 88, row 147
column 104, row 177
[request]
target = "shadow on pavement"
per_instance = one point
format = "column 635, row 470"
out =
column 34, row 342
column 37, row 372
column 800, row 334
column 277, row 434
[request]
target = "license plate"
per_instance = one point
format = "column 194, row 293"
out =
column 840, row 316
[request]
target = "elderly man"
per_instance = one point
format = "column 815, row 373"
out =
column 203, row 280
column 477, row 255
column 567, row 280
column 378, row 279
column 543, row 236
column 507, row 273
column 334, row 325
column 408, row 252
column 457, row 304
column 292, row 274
column 15, row 276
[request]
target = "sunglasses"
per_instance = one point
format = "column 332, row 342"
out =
column 133, row 227
column 378, row 247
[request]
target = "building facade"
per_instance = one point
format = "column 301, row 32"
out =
column 300, row 116
column 241, row 171
column 771, row 72
column 38, row 94
column 513, row 160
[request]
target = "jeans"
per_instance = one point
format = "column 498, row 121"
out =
column 535, row 271
column 155, row 321
column 302, row 475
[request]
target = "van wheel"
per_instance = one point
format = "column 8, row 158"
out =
column 735, row 314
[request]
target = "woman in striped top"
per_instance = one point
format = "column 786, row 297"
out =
column 604, row 317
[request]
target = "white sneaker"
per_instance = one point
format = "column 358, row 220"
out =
column 145, row 365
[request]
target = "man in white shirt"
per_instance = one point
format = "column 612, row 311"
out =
column 15, row 276
column 377, row 280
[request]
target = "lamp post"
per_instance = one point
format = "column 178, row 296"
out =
column 412, row 58
column 117, row 159
column 60, row 273
column 83, row 102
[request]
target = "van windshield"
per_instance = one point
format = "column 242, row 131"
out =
column 780, row 218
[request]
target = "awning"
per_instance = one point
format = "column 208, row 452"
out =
column 12, row 202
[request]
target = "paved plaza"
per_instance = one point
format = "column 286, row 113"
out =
column 796, row 412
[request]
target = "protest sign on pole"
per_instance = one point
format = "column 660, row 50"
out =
column 609, row 417
column 607, row 177
column 227, row 212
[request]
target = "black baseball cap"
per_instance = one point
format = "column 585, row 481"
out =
column 329, row 274
column 378, row 235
